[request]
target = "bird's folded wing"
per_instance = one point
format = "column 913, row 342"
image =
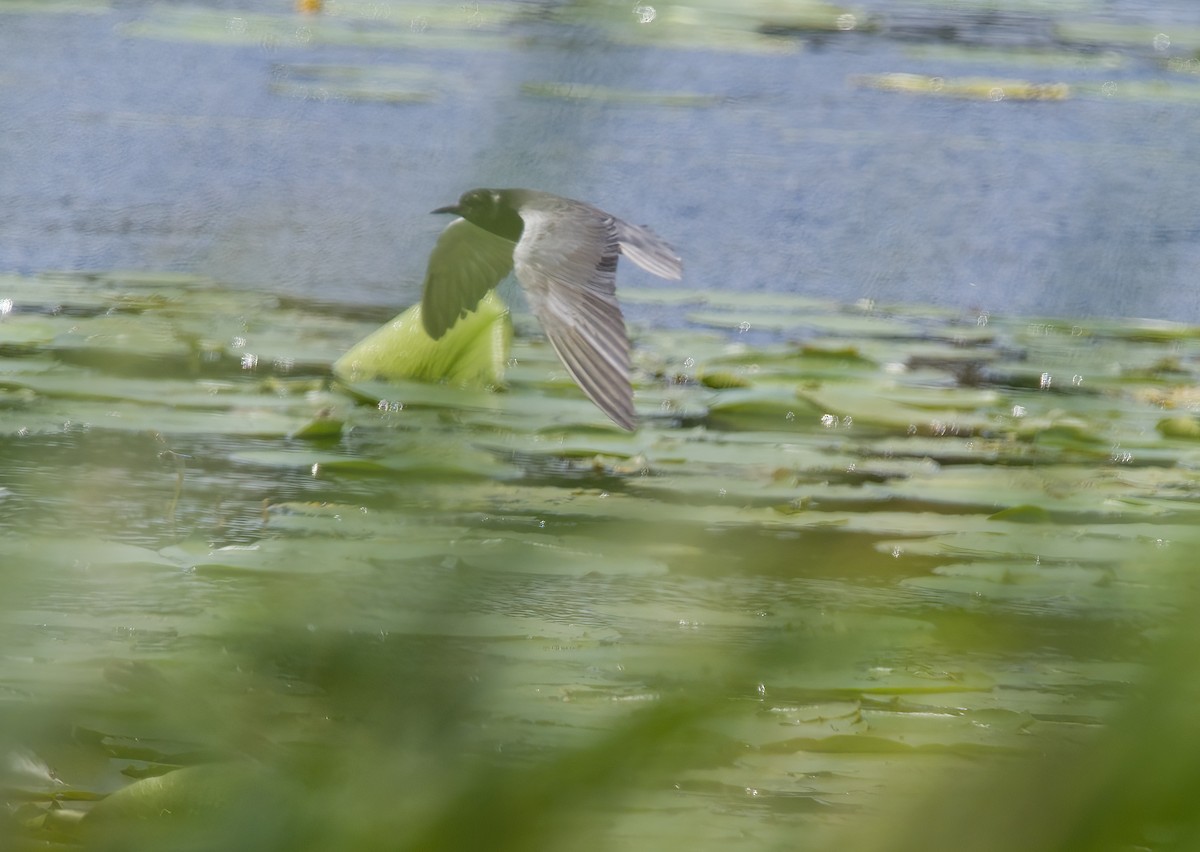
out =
column 566, row 260
column 648, row 250
column 466, row 262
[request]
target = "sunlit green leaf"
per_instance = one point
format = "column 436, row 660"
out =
column 472, row 353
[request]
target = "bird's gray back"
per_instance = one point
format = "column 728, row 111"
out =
column 637, row 242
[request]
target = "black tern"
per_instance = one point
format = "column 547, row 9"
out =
column 564, row 253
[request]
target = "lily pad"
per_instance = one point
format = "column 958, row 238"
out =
column 975, row 88
column 472, row 353
column 605, row 94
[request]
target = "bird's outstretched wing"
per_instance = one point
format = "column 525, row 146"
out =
column 566, row 260
column 466, row 262
column 648, row 250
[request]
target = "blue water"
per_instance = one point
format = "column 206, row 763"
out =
column 119, row 151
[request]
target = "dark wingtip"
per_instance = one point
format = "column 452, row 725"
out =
column 629, row 425
column 432, row 328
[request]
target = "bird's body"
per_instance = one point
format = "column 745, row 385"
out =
column 564, row 254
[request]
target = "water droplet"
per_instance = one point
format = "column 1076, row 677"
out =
column 472, row 14
column 689, row 362
column 1045, row 381
column 1076, row 380
column 1161, row 42
column 249, row 361
column 743, row 327
column 1018, row 411
column 645, row 14
column 790, row 416
column 6, row 306
column 846, row 22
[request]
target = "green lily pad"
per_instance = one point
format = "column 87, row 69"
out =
column 1179, row 427
column 74, row 7
column 473, row 353
column 204, row 801
column 382, row 83
column 606, row 94
column 423, row 25
column 975, row 88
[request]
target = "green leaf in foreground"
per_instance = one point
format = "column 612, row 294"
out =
column 472, row 353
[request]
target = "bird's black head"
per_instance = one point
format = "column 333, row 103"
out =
column 490, row 209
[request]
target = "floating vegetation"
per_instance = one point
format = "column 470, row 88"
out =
column 267, row 577
column 375, row 25
column 969, row 87
column 73, row 7
column 691, row 26
column 605, row 94
column 472, row 353
column 1093, row 34
column 382, row 83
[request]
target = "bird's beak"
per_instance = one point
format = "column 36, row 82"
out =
column 453, row 208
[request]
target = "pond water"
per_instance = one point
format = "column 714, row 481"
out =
column 888, row 561
column 300, row 153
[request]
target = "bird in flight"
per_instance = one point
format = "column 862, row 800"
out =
column 564, row 253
